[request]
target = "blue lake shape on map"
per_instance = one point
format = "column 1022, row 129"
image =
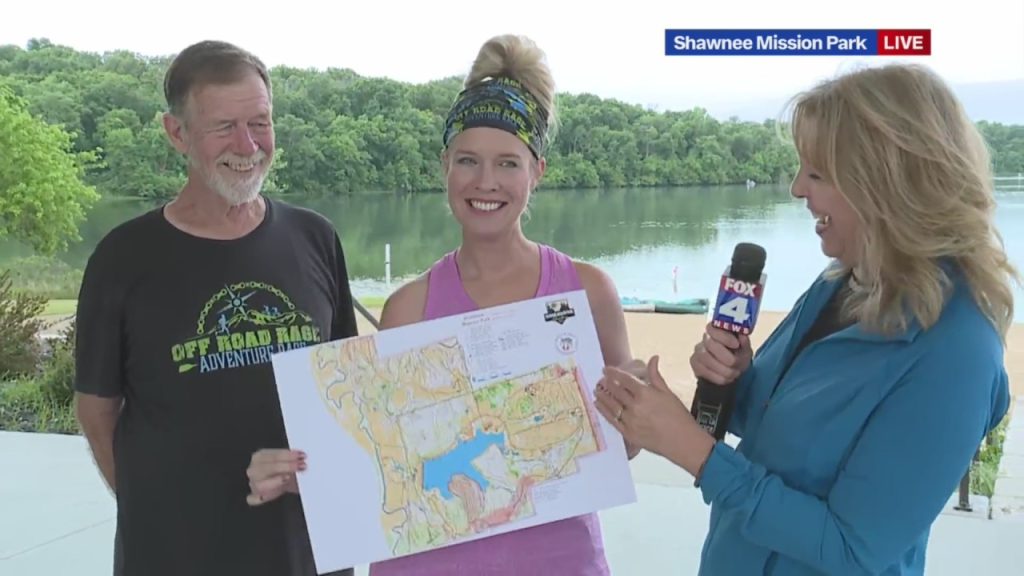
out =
column 438, row 472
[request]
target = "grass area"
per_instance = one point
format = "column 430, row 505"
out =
column 45, row 276
column 372, row 301
column 60, row 307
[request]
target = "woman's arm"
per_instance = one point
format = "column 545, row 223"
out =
column 405, row 305
column 908, row 460
column 742, row 401
column 609, row 318
column 610, row 322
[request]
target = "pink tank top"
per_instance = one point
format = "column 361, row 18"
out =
column 570, row 547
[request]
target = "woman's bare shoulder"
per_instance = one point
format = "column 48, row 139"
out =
column 405, row 305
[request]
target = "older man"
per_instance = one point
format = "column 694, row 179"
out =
column 179, row 312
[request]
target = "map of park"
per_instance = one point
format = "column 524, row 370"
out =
column 454, row 461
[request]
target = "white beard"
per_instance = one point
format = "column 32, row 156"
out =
column 242, row 187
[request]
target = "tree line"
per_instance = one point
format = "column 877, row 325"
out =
column 340, row 133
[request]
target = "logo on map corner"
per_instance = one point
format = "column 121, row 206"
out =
column 566, row 343
column 558, row 311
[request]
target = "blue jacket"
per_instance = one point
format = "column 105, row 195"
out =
column 865, row 440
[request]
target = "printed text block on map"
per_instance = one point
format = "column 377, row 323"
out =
column 451, row 430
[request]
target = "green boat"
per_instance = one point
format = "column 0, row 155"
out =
column 687, row 306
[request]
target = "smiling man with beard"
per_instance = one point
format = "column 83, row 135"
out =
column 179, row 313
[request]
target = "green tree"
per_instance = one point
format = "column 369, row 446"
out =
column 348, row 134
column 43, row 199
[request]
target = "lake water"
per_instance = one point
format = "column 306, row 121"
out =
column 439, row 472
column 641, row 237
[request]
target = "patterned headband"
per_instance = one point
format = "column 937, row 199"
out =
column 501, row 103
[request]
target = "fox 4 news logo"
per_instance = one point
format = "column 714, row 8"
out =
column 737, row 306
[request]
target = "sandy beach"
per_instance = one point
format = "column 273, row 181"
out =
column 673, row 336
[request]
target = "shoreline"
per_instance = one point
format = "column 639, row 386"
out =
column 673, row 337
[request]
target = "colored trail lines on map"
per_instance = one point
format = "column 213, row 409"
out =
column 454, row 461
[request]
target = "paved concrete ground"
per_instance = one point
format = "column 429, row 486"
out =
column 56, row 519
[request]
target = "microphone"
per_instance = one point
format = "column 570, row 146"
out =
column 736, row 310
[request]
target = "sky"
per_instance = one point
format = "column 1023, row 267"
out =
column 615, row 51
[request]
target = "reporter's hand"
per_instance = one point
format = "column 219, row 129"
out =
column 272, row 473
column 721, row 356
column 652, row 417
column 638, row 369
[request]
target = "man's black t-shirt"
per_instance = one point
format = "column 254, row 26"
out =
column 183, row 328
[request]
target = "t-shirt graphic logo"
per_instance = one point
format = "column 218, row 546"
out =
column 558, row 311
column 241, row 325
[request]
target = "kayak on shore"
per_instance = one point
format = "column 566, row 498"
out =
column 685, row 306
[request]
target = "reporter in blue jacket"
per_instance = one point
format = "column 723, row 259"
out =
column 860, row 414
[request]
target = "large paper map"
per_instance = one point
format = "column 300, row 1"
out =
column 453, row 429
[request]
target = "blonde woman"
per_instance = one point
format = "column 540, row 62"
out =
column 861, row 412
column 494, row 138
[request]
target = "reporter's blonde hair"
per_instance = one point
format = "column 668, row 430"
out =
column 898, row 145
